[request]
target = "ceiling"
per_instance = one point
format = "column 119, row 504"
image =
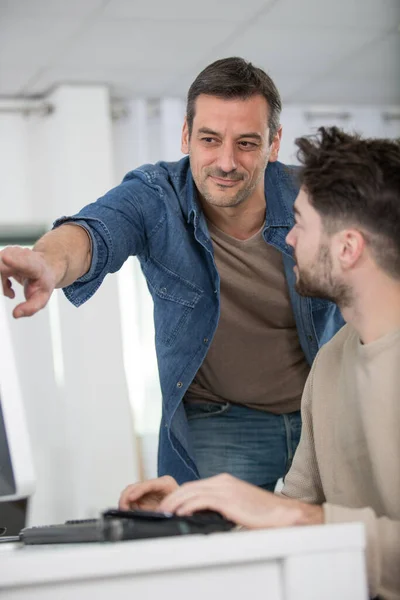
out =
column 318, row 51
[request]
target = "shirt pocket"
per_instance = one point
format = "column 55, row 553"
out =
column 174, row 299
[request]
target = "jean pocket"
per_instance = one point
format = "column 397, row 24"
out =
column 204, row 410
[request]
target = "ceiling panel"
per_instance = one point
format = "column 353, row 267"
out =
column 49, row 8
column 32, row 42
column 316, row 51
column 343, row 14
column 144, row 44
column 377, row 59
column 12, row 80
column 357, row 90
column 122, row 82
column 179, row 83
column 288, row 84
column 370, row 75
column 305, row 51
column 177, row 10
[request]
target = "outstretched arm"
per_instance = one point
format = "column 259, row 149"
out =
column 58, row 259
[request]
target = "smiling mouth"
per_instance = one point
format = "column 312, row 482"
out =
column 225, row 182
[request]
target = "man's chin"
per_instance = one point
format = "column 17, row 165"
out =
column 222, row 200
column 309, row 291
column 304, row 288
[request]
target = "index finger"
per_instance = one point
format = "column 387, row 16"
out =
column 188, row 490
column 135, row 491
column 20, row 261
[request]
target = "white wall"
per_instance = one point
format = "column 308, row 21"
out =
column 370, row 121
column 149, row 131
column 81, row 425
column 16, row 200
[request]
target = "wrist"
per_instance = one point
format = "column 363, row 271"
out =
column 56, row 266
column 66, row 252
column 310, row 514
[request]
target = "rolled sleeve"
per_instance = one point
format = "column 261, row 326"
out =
column 119, row 224
column 102, row 255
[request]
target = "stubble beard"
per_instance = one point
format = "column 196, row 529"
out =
column 317, row 281
column 227, row 201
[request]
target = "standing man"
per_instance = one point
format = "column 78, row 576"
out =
column 234, row 341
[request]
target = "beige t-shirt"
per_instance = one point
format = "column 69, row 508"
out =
column 348, row 458
column 255, row 358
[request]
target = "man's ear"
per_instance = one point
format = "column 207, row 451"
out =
column 185, row 137
column 275, row 145
column 351, row 248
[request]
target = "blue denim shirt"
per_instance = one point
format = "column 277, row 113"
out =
column 154, row 214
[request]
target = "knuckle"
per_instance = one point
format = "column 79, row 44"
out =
column 130, row 488
column 6, row 252
column 168, row 479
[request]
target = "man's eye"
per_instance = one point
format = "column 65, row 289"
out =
column 208, row 140
column 247, row 145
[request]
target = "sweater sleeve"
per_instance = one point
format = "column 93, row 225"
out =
column 303, row 480
column 383, row 547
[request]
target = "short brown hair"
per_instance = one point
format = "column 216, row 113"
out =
column 231, row 78
column 355, row 182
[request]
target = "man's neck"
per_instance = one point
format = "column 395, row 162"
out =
column 240, row 222
column 375, row 311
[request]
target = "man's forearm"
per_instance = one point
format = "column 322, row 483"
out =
column 310, row 514
column 67, row 250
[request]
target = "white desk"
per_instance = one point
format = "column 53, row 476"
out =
column 302, row 563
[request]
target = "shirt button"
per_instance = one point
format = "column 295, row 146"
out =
column 205, row 340
column 310, row 338
column 179, row 384
column 163, row 290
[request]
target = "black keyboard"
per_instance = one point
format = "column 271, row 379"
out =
column 115, row 525
column 90, row 530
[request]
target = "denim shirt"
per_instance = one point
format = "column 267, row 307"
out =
column 154, row 214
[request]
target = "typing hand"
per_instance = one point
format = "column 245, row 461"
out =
column 147, row 495
column 240, row 502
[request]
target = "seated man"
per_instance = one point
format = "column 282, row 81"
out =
column 346, row 241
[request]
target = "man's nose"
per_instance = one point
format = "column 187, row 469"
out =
column 290, row 238
column 227, row 158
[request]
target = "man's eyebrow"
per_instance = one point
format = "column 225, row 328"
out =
column 251, row 134
column 208, row 131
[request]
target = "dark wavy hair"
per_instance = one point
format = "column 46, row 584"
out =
column 231, row 78
column 355, row 182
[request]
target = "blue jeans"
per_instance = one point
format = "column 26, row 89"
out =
column 253, row 445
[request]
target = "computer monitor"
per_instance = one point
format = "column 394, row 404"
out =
column 17, row 479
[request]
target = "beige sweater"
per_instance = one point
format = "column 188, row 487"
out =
column 348, row 458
